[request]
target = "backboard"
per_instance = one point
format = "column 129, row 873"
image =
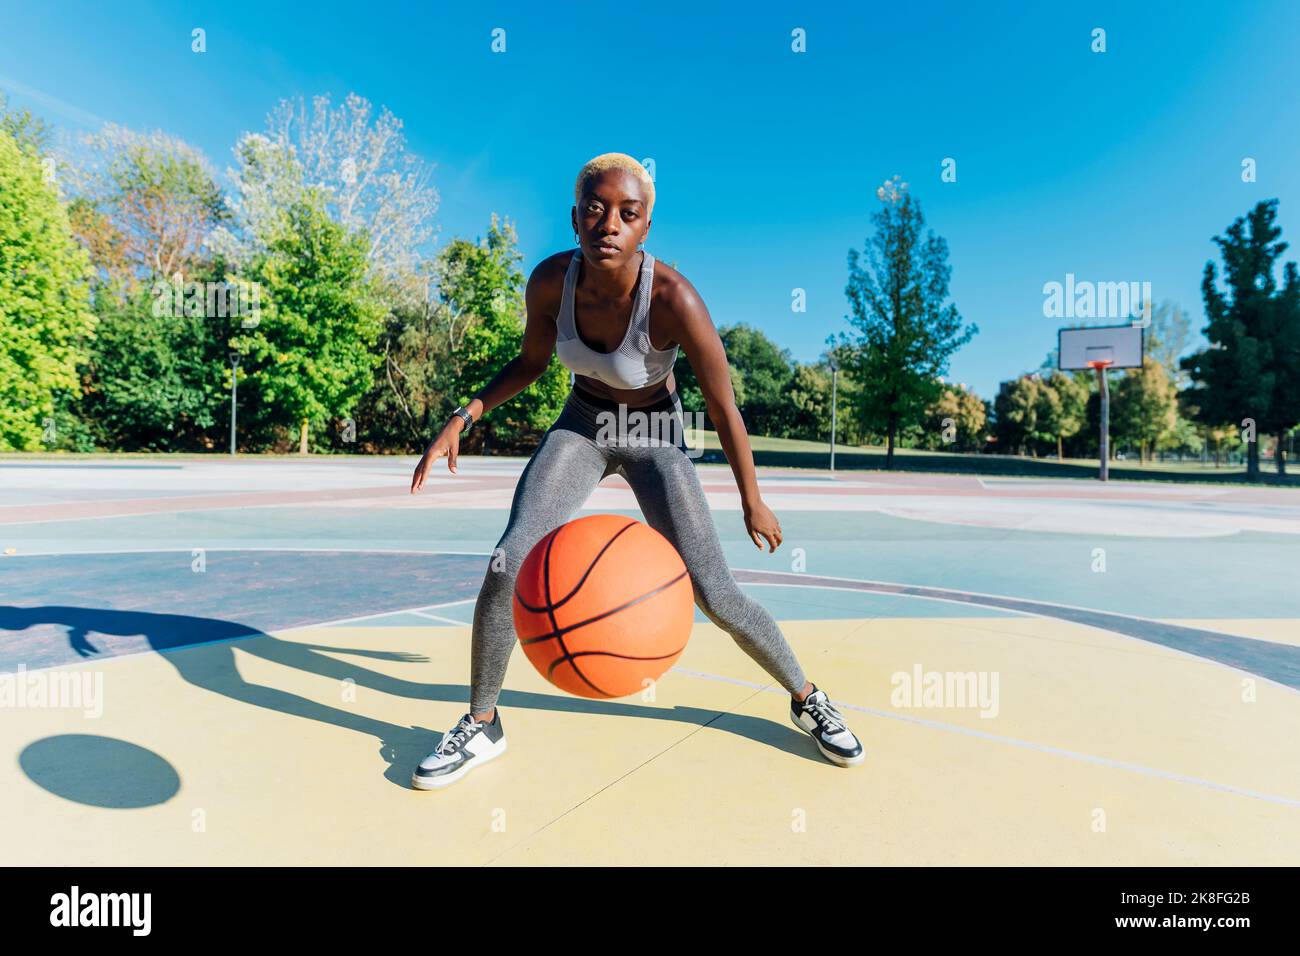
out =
column 1100, row 346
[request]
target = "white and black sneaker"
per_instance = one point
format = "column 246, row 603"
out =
column 816, row 717
column 470, row 743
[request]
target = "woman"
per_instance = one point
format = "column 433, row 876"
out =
column 578, row 307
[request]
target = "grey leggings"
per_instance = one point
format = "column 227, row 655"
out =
column 572, row 459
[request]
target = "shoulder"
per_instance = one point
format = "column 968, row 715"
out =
column 677, row 302
column 546, row 282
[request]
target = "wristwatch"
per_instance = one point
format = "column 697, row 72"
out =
column 463, row 414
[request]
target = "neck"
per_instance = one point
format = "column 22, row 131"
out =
column 609, row 280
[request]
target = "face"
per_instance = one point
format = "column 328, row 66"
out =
column 610, row 218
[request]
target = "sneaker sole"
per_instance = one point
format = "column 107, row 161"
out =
column 829, row 754
column 447, row 779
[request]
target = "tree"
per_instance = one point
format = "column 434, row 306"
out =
column 311, row 355
column 1243, row 378
column 149, row 199
column 356, row 163
column 903, row 331
column 766, row 374
column 44, row 298
column 31, row 133
column 1016, row 411
column 482, row 289
column 1064, row 411
column 446, row 343
column 808, row 400
column 1284, row 405
column 152, row 382
column 1144, row 407
column 955, row 422
column 1168, row 337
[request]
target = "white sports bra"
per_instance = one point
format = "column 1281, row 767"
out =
column 635, row 363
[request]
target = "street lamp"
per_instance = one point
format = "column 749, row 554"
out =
column 835, row 368
column 234, row 389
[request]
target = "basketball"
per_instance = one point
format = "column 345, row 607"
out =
column 603, row 604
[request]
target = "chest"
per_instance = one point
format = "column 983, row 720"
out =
column 602, row 326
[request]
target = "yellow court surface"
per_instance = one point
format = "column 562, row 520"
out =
column 1101, row 750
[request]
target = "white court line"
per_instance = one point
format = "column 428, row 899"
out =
column 1017, row 742
column 1190, row 656
column 435, row 617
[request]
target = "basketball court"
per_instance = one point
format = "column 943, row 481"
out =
column 211, row 662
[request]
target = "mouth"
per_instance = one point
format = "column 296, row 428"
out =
column 608, row 248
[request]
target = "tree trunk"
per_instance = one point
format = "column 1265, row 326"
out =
column 1060, row 448
column 1252, row 460
column 889, row 445
column 302, row 438
column 1281, row 453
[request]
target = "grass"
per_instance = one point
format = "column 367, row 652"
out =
column 795, row 453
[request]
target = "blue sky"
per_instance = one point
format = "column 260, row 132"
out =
column 1115, row 166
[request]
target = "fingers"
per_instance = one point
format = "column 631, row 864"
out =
column 452, row 453
column 753, row 536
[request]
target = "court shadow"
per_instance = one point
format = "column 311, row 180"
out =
column 202, row 651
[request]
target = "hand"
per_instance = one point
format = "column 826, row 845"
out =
column 447, row 443
column 759, row 520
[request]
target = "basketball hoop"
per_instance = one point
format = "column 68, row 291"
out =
column 1099, row 356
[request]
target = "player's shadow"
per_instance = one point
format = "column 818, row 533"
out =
column 202, row 651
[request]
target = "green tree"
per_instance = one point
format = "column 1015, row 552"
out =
column 903, row 333
column 449, row 340
column 44, row 299
column 1144, row 407
column 1242, row 378
column 1016, row 411
column 479, row 310
column 956, row 422
column 31, row 133
column 766, row 373
column 311, row 356
column 1064, row 410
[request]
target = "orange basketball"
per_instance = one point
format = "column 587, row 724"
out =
column 602, row 604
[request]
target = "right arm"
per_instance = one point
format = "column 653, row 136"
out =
column 515, row 376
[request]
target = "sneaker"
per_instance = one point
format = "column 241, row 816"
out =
column 816, row 717
column 469, row 744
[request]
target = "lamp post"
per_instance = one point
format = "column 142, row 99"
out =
column 835, row 368
column 234, row 389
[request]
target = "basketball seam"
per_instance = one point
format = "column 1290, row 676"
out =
column 577, row 587
column 626, row 657
column 603, row 614
column 550, row 612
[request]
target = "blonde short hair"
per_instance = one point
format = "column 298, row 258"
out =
column 607, row 161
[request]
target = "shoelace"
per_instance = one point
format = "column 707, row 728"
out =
column 458, row 736
column 830, row 717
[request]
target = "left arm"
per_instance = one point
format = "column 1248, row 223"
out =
column 694, row 331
